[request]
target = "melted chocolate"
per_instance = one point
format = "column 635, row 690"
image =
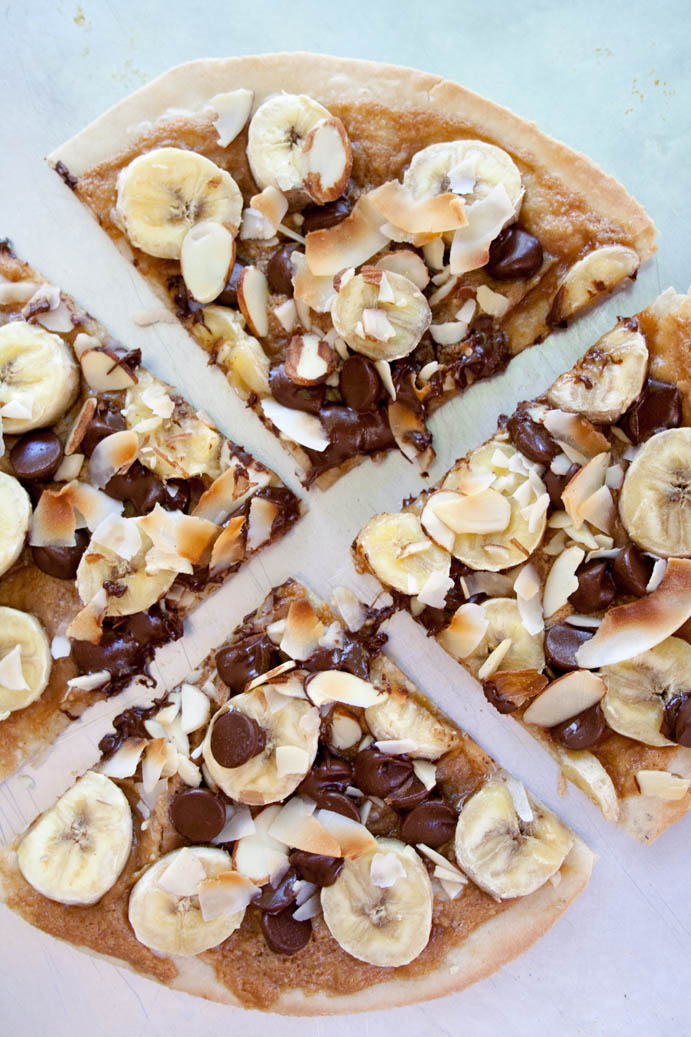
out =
column 514, row 254
column 582, row 731
column 314, row 867
column 432, row 823
column 632, row 570
column 229, row 295
column 657, row 408
column 596, row 588
column 676, row 721
column 378, row 774
column 240, row 662
column 297, row 397
column 359, row 384
column 556, row 484
column 274, row 899
column 106, row 420
column 68, row 178
column 128, row 724
column 61, row 562
column 408, row 795
column 531, row 438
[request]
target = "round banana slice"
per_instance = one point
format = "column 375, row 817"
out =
column 638, row 689
column 166, row 191
column 284, row 152
column 39, row 377
column 381, row 325
column 606, row 380
column 172, row 922
column 75, row 852
column 526, row 651
column 399, row 717
column 263, row 778
column 15, row 518
column 131, row 588
column 400, row 554
column 503, row 854
column 469, row 168
column 382, row 924
column 27, row 672
column 523, row 528
column 655, row 500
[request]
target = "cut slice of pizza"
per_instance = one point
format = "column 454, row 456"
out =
column 352, row 243
column 554, row 562
column 120, row 508
column 296, row 828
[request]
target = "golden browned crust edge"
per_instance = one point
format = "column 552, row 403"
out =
column 335, row 79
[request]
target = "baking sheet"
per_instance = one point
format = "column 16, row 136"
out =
column 613, row 81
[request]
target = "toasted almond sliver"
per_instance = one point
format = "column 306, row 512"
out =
column 561, row 580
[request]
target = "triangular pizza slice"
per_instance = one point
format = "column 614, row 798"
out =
column 352, row 243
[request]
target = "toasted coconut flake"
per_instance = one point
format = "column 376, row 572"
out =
column 433, row 251
column 310, row 908
column 91, row 504
column 491, row 302
column 575, row 432
column 119, row 535
column 561, row 580
column 272, row 205
column 583, row 485
column 339, row 686
column 434, row 590
column 410, row 432
column 53, row 522
column 297, row 826
column 318, row 292
column 305, row 429
column 186, row 536
column 261, row 518
column 226, row 894
column 406, row 263
column 628, row 630
column 239, row 824
column 125, row 760
column 302, row 632
column 486, row 218
column 276, row 671
column 662, row 784
column 88, row 681
column 599, row 510
column 111, row 455
column 183, row 875
column 527, row 588
column 228, row 492
column 385, row 869
column 229, row 546
column 465, row 631
column 259, row 856
column 450, row 333
column 354, row 839
column 564, row 698
column 350, row 243
column 350, row 608
column 160, row 761
column 441, row 212
column 232, row 110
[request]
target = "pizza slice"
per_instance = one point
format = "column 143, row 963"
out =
column 120, row 508
column 554, row 562
column 352, row 243
column 296, row 828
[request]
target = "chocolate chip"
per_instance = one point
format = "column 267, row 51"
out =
column 37, row 455
column 376, row 432
column 279, row 270
column 229, row 295
column 556, row 484
column 596, row 588
column 236, row 738
column 360, row 384
column 176, row 496
column 657, row 408
column 632, row 570
column 676, row 721
column 314, row 867
column 378, row 774
column 532, row 439
column 350, row 656
column 327, row 799
column 283, row 933
column 241, row 662
column 61, row 562
column 500, row 703
column 332, row 774
column 139, row 487
column 106, row 420
column 297, row 397
column 321, row 217
column 408, row 795
column 125, row 649
column 197, row 814
column 562, row 641
column 514, row 254
column 583, row 731
column 432, row 823
column 275, row 899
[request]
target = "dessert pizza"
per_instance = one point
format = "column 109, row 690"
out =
column 352, row 243
column 554, row 562
column 297, row 828
column 120, row 507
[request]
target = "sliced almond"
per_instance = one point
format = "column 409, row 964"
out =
column 561, row 580
column 491, row 302
column 327, row 160
column 406, row 263
column 600, row 510
column 598, row 272
column 349, row 244
column 583, row 484
column 484, row 512
column 309, row 360
column 303, row 630
column 339, row 686
column 272, row 205
column 628, row 630
column 565, row 698
column 253, row 299
column 125, row 760
column 81, row 424
column 662, row 784
column 105, row 371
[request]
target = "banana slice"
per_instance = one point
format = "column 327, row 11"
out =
column 175, row 443
column 525, row 652
column 638, row 690
column 15, row 517
column 166, row 191
column 503, row 854
column 587, row 773
column 606, row 380
column 498, row 465
column 262, row 778
column 130, row 587
column 655, row 500
column 400, row 718
column 399, row 552
column 39, row 377
column 75, row 852
column 172, row 922
column 385, row 925
column 469, row 168
column 381, row 324
column 238, row 353
column 24, row 677
column 294, row 143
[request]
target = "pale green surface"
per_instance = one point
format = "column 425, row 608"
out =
column 612, row 80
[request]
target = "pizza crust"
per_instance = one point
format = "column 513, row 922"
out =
column 347, row 80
